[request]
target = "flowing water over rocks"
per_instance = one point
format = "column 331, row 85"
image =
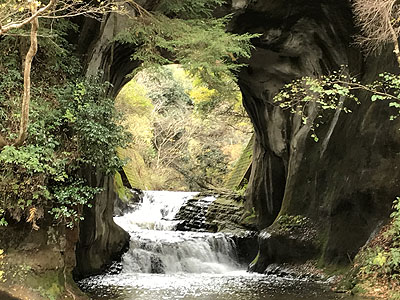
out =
column 163, row 263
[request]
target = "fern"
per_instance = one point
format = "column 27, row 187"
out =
column 201, row 45
column 188, row 9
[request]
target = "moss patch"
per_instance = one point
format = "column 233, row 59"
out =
column 123, row 193
column 49, row 285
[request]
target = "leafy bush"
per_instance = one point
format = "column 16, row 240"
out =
column 380, row 260
column 80, row 130
column 73, row 126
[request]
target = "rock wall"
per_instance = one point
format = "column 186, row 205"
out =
column 349, row 179
column 222, row 215
column 100, row 240
column 346, row 182
column 37, row 264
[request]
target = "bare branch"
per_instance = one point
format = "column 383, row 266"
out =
column 379, row 21
column 19, row 24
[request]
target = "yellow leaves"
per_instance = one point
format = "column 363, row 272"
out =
column 1, row 272
column 201, row 94
column 380, row 259
column 233, row 58
column 33, row 216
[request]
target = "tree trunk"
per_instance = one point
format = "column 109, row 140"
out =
column 23, row 127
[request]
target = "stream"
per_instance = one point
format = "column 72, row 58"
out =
column 166, row 264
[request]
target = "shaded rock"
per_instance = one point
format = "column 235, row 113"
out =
column 292, row 239
column 37, row 259
column 157, row 266
column 221, row 215
column 101, row 241
column 246, row 245
column 192, row 215
column 7, row 296
column 128, row 204
column 345, row 184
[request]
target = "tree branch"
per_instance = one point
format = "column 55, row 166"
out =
column 8, row 27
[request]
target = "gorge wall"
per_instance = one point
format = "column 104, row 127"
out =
column 343, row 185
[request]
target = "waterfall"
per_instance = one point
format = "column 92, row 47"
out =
column 155, row 212
column 156, row 247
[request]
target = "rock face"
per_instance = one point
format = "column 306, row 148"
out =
column 221, row 215
column 100, row 240
column 37, row 263
column 346, row 182
column 213, row 214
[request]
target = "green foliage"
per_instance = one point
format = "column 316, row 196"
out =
column 73, row 125
column 381, row 260
column 205, row 167
column 394, row 231
column 200, row 45
column 287, row 222
column 163, row 89
column 251, row 217
column 188, row 9
column 81, row 130
column 387, row 87
column 92, row 119
column 312, row 98
column 68, row 197
column 241, row 190
column 182, row 147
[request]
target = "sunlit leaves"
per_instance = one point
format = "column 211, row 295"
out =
column 329, row 92
column 325, row 93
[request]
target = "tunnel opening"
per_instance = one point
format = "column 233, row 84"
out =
column 186, row 134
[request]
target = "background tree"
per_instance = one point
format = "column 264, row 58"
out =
column 194, row 141
column 379, row 21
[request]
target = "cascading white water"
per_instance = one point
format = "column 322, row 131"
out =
column 167, row 264
column 155, row 212
column 156, row 248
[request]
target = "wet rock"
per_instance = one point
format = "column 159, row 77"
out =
column 291, row 239
column 246, row 245
column 347, row 181
column 306, row 272
column 114, row 269
column 122, row 206
column 157, row 266
column 221, row 215
column 101, row 241
column 192, row 215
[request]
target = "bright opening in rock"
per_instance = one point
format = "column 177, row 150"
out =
column 186, row 135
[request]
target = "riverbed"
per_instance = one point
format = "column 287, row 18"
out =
column 163, row 263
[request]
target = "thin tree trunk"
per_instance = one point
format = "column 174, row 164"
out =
column 23, row 127
column 3, row 142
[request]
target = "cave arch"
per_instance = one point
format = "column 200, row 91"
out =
column 288, row 176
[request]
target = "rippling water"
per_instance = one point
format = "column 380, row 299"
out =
column 166, row 264
column 238, row 285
